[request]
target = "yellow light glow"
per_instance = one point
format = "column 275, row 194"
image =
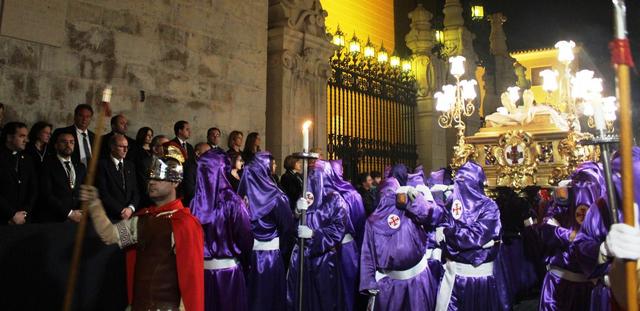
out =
column 440, row 36
column 373, row 18
column 369, row 50
column 394, row 61
column 406, row 65
column 338, row 38
column 306, row 125
column 354, row 45
column 477, row 12
column 383, row 57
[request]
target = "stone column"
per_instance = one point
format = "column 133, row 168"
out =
column 297, row 73
column 430, row 137
column 459, row 41
column 504, row 71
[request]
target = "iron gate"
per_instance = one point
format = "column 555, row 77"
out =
column 371, row 109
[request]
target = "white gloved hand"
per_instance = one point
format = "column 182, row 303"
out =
column 425, row 192
column 412, row 193
column 373, row 292
column 439, row 235
column 304, row 232
column 439, row 187
column 623, row 241
column 302, row 205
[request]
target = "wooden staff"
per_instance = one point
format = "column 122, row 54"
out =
column 622, row 60
column 89, row 180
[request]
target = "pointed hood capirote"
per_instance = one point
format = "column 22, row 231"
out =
column 258, row 188
column 212, row 187
column 468, row 189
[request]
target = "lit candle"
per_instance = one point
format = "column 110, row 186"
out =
column 106, row 94
column 305, row 136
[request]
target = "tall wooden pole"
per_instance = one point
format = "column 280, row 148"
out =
column 621, row 58
column 89, row 180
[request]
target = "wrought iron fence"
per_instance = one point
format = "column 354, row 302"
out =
column 371, row 109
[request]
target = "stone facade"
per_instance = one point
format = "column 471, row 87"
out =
column 204, row 61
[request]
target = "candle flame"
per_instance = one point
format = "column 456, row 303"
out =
column 306, row 125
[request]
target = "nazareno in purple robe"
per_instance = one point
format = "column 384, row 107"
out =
column 272, row 224
column 472, row 234
column 227, row 235
column 352, row 242
column 586, row 247
column 434, row 252
column 565, row 286
column 322, row 286
column 395, row 241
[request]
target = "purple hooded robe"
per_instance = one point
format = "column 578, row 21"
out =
column 565, row 286
column 227, row 234
column 471, row 242
column 594, row 230
column 393, row 260
column 322, row 289
column 354, row 225
column 272, row 224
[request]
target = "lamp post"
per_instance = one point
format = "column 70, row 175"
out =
column 456, row 102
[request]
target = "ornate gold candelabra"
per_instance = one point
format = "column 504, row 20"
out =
column 456, row 102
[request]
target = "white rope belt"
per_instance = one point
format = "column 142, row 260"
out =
column 451, row 269
column 218, row 264
column 568, row 275
column 404, row 274
column 434, row 254
column 347, row 238
column 270, row 245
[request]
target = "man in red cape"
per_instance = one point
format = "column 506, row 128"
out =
column 164, row 242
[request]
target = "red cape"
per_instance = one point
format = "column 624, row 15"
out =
column 187, row 233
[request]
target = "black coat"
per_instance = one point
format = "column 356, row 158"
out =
column 188, row 186
column 105, row 148
column 56, row 196
column 18, row 190
column 38, row 160
column 114, row 197
column 291, row 184
column 75, row 157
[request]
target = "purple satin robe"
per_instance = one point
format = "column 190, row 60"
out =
column 322, row 286
column 594, row 230
column 395, row 240
column 467, row 231
column 558, row 293
column 270, row 218
column 350, row 251
column 227, row 233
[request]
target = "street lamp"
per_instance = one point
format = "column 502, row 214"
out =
column 354, row 45
column 383, row 57
column 338, row 38
column 456, row 102
column 394, row 61
column 369, row 50
column 477, row 12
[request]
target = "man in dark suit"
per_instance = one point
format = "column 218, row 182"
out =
column 18, row 180
column 60, row 182
column 116, row 181
column 119, row 125
column 213, row 137
column 80, row 130
column 182, row 129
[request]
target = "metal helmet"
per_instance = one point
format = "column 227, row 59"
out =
column 169, row 167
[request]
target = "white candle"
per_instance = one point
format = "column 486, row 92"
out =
column 106, row 94
column 305, row 136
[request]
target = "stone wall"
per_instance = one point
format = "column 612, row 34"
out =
column 203, row 61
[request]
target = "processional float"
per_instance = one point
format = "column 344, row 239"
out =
column 526, row 144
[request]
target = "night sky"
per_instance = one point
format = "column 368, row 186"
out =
column 541, row 23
